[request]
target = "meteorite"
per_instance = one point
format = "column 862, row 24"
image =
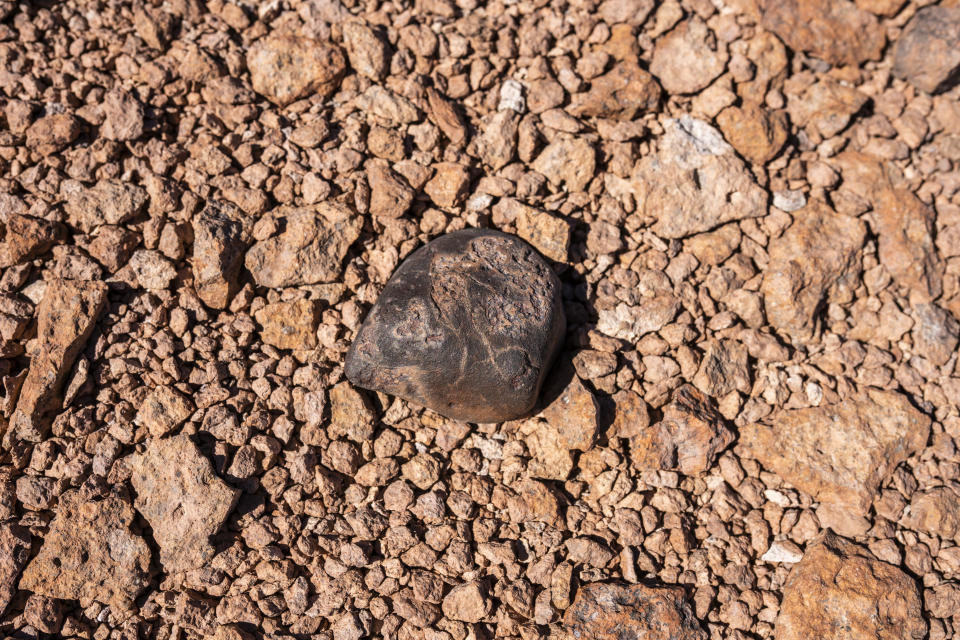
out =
column 468, row 326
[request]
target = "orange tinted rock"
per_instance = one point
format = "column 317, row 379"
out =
column 936, row 511
column 53, row 133
column 285, row 68
column 839, row 591
column 688, row 58
column 448, row 186
column 623, row 93
column 905, row 226
column 833, row 30
column 635, row 612
column 14, row 553
column 756, row 133
column 840, row 453
column 25, row 238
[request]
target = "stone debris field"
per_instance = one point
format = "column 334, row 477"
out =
column 688, row 336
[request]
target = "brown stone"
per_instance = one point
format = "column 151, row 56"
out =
column 825, row 107
column 936, row 511
column 467, row 602
column 885, row 8
column 123, row 116
column 25, row 238
column 289, row 325
column 567, row 161
column 350, row 414
column 310, row 247
column 572, row 414
column 833, row 30
column 107, row 202
column 496, row 144
column 89, row 554
column 623, row 93
column 695, row 182
column 839, row 591
column 631, row 414
column 65, row 319
column 819, row 252
column 163, row 410
column 549, row 234
column 927, row 54
column 688, row 58
column 634, row 612
column 53, row 133
column 935, row 333
column 689, row 437
column 390, row 195
column 14, row 553
column 756, row 133
column 368, row 54
column 656, row 306
column 285, row 68
column 183, row 500
column 840, row 453
column 724, row 368
column 445, row 115
column 219, row 244
column 449, row 184
column 905, row 227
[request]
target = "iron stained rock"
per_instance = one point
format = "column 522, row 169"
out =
column 467, row 326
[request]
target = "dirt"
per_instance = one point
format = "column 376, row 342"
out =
column 752, row 426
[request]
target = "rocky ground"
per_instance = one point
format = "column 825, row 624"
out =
column 753, row 207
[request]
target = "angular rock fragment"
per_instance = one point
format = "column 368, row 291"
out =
column 390, row 195
column 53, row 133
column 107, row 202
column 936, row 512
column 445, row 115
column 816, row 254
column 65, row 319
column 723, row 369
column 634, row 612
column 89, row 553
column 689, row 437
column 826, row 107
column 467, row 326
column 927, row 54
column 549, row 234
column 183, row 500
column 655, row 307
column 14, row 553
column 163, row 410
column 688, row 58
column 309, row 248
column 840, row 453
column 123, row 116
column 756, row 133
column 572, row 424
column 289, row 325
column 218, row 248
column 695, row 182
column 836, row 31
column 285, row 68
column 567, row 161
column 448, row 186
column 622, row 93
column 840, row 591
column 497, row 143
column 350, row 414
column 467, row 603
column 935, row 333
column 112, row 246
column 906, row 248
column 25, row 238
column 366, row 51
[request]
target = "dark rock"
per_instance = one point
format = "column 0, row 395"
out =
column 928, row 50
column 467, row 326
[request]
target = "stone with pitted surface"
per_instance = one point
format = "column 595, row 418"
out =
column 634, row 612
column 468, row 326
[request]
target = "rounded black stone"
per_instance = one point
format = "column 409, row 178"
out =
column 467, row 326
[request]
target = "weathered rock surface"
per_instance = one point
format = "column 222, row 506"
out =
column 840, row 453
column 935, row 511
column 107, row 202
column 467, row 326
column 724, row 368
column 183, row 500
column 89, row 553
column 756, row 133
column 927, row 54
column 367, row 53
column 655, row 306
column 567, row 161
column 290, row 325
column 14, row 553
column 309, row 247
column 816, row 254
column 695, row 182
column 635, row 612
column 467, row 603
column 833, row 30
column 163, row 410
column 218, row 249
column 905, row 226
column 826, row 107
column 285, row 68
column 549, row 234
column 689, row 437
column 123, row 116
column 65, row 319
column 26, row 237
column 840, row 591
column 688, row 58
column 622, row 93
column 448, row 186
column 53, row 133
column 572, row 424
column 935, row 333
column 390, row 195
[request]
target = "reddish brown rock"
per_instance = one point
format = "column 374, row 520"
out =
column 368, row 54
column 549, row 234
column 567, row 161
column 112, row 246
column 107, row 202
column 309, row 248
column 839, row 591
column 163, row 410
column 840, row 453
column 14, row 553
column 285, row 68
column 89, row 553
column 833, row 30
column 496, row 144
column 886, row 8
column 905, row 226
column 634, row 612
column 817, row 253
column 825, row 107
column 694, row 182
column 449, row 184
column 467, row 326
column 445, row 115
column 350, row 414
column 123, row 116
column 927, row 54
column 935, row 333
column 688, row 58
column 289, row 325
column 53, row 133
column 724, row 368
column 467, row 602
column 936, row 511
column 390, row 195
column 25, row 238
column 689, row 437
column 218, row 247
column 623, row 93
column 656, row 305
column 65, row 319
column 756, row 133
column 572, row 415
column 184, row 501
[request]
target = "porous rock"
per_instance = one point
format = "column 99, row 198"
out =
column 14, row 553
column 467, row 326
column 284, row 68
column 840, row 591
column 634, row 612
